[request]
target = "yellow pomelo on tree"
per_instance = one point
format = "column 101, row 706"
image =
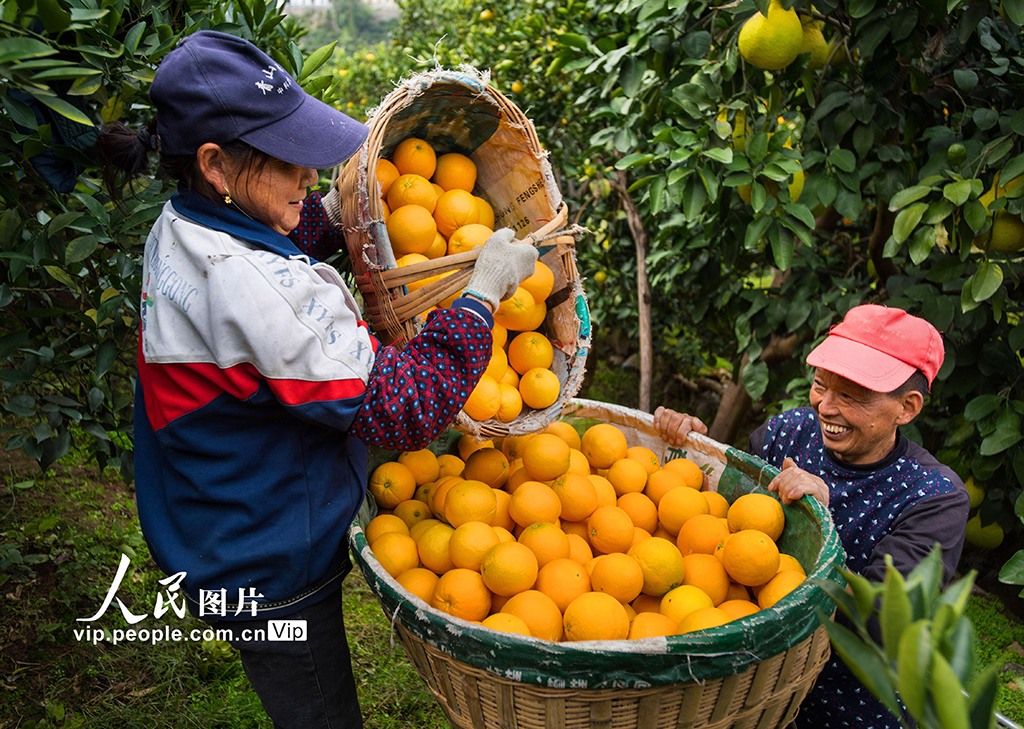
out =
column 772, row 42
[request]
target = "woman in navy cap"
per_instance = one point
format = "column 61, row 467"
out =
column 259, row 387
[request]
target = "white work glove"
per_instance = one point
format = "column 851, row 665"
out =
column 501, row 267
column 332, row 205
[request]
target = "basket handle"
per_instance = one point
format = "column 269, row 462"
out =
column 407, row 305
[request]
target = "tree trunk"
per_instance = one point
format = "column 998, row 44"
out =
column 643, row 288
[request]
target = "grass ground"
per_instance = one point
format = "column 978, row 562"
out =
column 61, row 537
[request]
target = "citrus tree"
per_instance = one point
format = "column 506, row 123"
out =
column 70, row 259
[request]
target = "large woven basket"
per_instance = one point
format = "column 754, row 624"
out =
column 460, row 112
column 752, row 672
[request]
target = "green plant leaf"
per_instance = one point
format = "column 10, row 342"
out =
column 865, row 664
column 64, row 109
column 59, row 274
column 981, row 406
column 959, row 648
column 906, row 196
column 906, row 221
column 316, row 59
column 999, row 441
column 895, row 614
column 947, row 695
column 843, row 159
column 987, row 280
column 18, row 49
column 757, row 147
column 913, row 662
column 1012, row 573
column 957, row 192
column 722, row 154
column 755, row 379
column 984, row 692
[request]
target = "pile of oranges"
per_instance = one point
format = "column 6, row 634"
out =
column 430, row 211
column 563, row 537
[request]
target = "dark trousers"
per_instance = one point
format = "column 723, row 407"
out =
column 305, row 684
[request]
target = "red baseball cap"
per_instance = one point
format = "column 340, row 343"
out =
column 880, row 348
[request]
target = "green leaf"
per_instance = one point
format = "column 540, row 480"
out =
column 316, row 59
column 975, row 215
column 1012, row 573
column 1013, row 169
column 984, row 690
column 574, row 40
column 937, row 212
column 921, row 244
column 907, row 220
column 966, row 79
column 755, row 379
column 860, row 8
column 999, row 441
column 59, row 275
column 722, row 154
column 631, row 74
column 782, row 247
column 132, row 38
column 801, row 213
column 81, row 248
column 913, row 662
column 843, row 159
column 987, row 280
column 85, row 15
column 755, row 231
column 947, row 695
column 106, row 355
column 906, row 196
column 757, row 147
column 636, row 159
column 981, row 406
column 865, row 594
column 957, row 192
column 17, row 49
column 64, row 109
column 865, row 664
column 896, row 611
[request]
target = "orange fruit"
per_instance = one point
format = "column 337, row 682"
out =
column 433, row 548
column 518, row 477
column 627, row 476
column 485, row 400
column 662, row 533
column 412, row 512
column 645, row 457
column 683, row 600
column 420, row 582
column 645, row 603
column 757, row 511
column 462, row 594
column 566, row 432
column 778, row 587
column 661, row 563
column 539, row 388
column 385, row 211
column 470, row 501
column 545, row 457
column 707, row 573
column 488, row 465
column 661, row 482
column 440, row 493
column 449, row 465
column 419, row 528
column 469, row 543
column 497, row 365
column 529, row 350
column 578, row 463
column 641, row 510
column 468, row 443
column 538, row 611
column 515, row 312
column 512, row 446
column 412, row 190
column 540, row 282
column 381, row 525
column 532, row 502
column 455, row 172
column 509, row 568
column 717, row 503
column 422, row 463
column 511, row 403
column 789, row 562
column 737, row 592
column 702, row 619
column 579, row 549
column 438, row 190
column 396, row 552
column 453, row 210
column 563, row 580
column 651, row 625
column 638, row 536
column 678, row 505
column 501, row 516
column 504, row 535
column 750, row 557
column 720, row 550
column 618, row 575
column 737, row 609
column 411, row 229
column 392, row 483
column 689, row 470
column 606, row 495
column 468, row 237
column 437, row 249
column 603, row 444
column 499, row 335
column 701, row 534
column 485, row 212
column 576, row 494
column 386, row 174
column 595, row 616
column 415, row 156
column 545, row 540
column 611, row 529
column 506, row 624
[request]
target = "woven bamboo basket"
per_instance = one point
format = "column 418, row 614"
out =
column 749, row 673
column 460, row 112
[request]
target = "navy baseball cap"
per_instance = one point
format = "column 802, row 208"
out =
column 215, row 87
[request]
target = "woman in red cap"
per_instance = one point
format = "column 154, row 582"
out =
column 259, row 387
column 887, row 495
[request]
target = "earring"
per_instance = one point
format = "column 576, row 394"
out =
column 227, row 198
